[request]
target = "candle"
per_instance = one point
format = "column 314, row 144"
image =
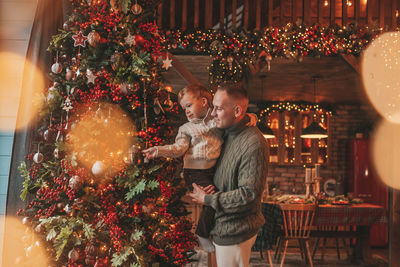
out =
column 313, row 173
column 308, row 175
column 317, row 170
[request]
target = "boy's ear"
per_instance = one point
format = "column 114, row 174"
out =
column 204, row 101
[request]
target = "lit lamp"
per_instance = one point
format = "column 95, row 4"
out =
column 266, row 131
column 314, row 130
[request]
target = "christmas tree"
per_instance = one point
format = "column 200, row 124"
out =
column 93, row 199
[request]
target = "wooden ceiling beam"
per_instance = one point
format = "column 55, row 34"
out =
column 353, row 62
column 183, row 71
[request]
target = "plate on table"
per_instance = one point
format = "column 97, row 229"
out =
column 330, row 187
column 340, row 202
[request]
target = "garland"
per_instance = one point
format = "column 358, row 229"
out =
column 239, row 54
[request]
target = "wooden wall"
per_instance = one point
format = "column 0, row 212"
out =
column 16, row 18
column 257, row 14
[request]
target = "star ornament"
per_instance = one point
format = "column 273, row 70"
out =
column 130, row 39
column 167, row 63
column 80, row 39
column 90, row 76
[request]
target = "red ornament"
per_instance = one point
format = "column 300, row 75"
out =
column 139, row 40
column 80, row 39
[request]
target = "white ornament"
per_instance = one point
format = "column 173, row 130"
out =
column 90, row 76
column 98, row 168
column 38, row 157
column 130, row 39
column 56, row 68
column 167, row 63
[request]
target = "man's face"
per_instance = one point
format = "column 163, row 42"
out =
column 224, row 110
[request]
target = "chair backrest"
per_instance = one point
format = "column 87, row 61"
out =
column 297, row 219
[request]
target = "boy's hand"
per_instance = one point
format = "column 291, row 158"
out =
column 198, row 194
column 253, row 119
column 150, row 153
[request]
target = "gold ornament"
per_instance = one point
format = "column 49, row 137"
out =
column 136, row 9
column 75, row 182
column 93, row 38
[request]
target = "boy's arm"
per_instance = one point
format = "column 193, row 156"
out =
column 253, row 119
column 178, row 149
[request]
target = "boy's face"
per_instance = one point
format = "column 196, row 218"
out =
column 195, row 107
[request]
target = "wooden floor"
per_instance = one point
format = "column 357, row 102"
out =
column 380, row 259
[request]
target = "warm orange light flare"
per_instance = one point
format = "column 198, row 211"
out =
column 100, row 139
column 386, row 153
column 380, row 74
column 21, row 246
column 12, row 67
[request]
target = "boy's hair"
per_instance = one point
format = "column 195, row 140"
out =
column 196, row 90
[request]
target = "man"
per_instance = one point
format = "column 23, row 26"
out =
column 239, row 179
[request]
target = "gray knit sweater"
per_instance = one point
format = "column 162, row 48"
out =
column 240, row 176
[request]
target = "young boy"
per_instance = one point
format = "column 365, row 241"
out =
column 199, row 142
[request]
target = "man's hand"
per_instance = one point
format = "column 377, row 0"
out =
column 209, row 189
column 198, row 194
column 150, row 153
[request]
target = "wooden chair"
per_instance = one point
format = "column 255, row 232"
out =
column 297, row 222
column 334, row 230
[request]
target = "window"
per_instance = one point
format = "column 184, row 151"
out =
column 288, row 148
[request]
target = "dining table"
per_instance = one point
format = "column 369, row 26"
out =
column 356, row 219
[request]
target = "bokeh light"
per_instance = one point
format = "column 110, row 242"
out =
column 381, row 75
column 22, row 247
column 13, row 88
column 100, row 139
column 386, row 153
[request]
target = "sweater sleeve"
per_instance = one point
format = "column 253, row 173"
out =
column 177, row 149
column 251, row 179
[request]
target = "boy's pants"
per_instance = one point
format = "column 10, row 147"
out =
column 202, row 178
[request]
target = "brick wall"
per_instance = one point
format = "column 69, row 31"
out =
column 348, row 120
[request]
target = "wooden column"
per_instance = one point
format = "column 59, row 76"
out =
column 196, row 14
column 281, row 12
column 271, row 11
column 357, row 10
column 294, row 11
column 369, row 12
column 159, row 20
column 246, row 14
column 307, row 12
column 208, row 14
column 234, row 10
column 381, row 13
column 320, row 4
column 258, row 14
column 393, row 15
column 344, row 12
column 332, row 12
column 172, row 14
column 222, row 14
column 184, row 14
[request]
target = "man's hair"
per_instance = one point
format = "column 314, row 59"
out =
column 234, row 90
column 196, row 90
